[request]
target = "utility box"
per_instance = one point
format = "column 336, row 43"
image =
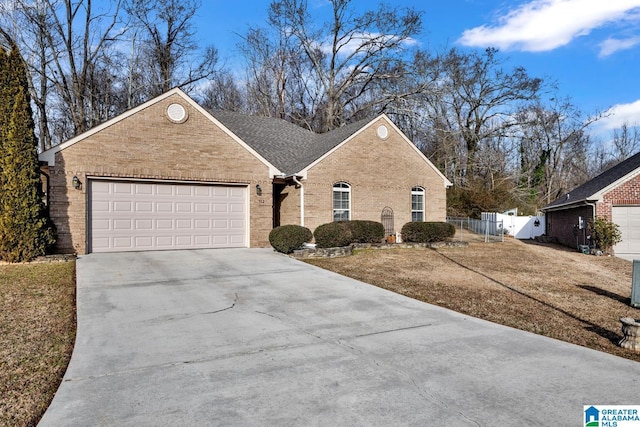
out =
column 635, row 285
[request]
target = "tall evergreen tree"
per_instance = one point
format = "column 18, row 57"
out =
column 24, row 230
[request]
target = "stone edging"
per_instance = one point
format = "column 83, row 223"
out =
column 348, row 250
column 45, row 259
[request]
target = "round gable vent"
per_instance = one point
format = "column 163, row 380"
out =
column 383, row 132
column 176, row 113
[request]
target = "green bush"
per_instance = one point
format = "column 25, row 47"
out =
column 366, row 231
column 333, row 234
column 427, row 232
column 605, row 234
column 286, row 238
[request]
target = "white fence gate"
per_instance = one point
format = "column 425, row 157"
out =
column 523, row 227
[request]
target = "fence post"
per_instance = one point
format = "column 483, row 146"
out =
column 486, row 231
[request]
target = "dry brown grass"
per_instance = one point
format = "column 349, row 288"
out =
column 37, row 331
column 545, row 289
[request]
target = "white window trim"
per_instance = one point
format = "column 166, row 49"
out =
column 418, row 191
column 341, row 187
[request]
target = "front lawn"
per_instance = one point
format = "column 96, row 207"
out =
column 37, row 331
column 545, row 289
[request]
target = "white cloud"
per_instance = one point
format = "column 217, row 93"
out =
column 613, row 45
column 543, row 25
column 621, row 114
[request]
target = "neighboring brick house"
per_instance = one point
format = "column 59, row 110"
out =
column 614, row 195
column 168, row 175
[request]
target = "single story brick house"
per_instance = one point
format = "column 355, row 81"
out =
column 170, row 175
column 614, row 195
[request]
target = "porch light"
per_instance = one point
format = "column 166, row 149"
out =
column 76, row 182
column 258, row 190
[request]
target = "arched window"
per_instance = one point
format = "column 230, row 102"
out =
column 341, row 201
column 417, row 204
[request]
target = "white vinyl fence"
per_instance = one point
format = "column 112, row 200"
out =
column 523, row 227
column 493, row 226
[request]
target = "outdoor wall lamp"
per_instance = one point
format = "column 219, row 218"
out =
column 258, row 190
column 76, row 183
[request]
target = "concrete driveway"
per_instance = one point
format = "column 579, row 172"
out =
column 251, row 337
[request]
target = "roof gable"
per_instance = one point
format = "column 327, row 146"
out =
column 593, row 189
column 50, row 154
column 335, row 144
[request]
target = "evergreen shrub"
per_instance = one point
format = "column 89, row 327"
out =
column 427, row 232
column 605, row 234
column 25, row 230
column 333, row 234
column 286, row 238
column 366, row 231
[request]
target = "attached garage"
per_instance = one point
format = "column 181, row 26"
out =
column 168, row 174
column 136, row 216
column 614, row 195
column 628, row 220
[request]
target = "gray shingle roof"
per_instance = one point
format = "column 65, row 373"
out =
column 588, row 190
column 285, row 145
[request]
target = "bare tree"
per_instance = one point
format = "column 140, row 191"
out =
column 170, row 54
column 65, row 43
column 222, row 93
column 27, row 22
column 554, row 142
column 626, row 141
column 280, row 77
column 337, row 64
column 480, row 98
column 271, row 66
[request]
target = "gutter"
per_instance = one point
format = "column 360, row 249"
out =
column 571, row 205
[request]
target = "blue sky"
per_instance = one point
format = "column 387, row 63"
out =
column 591, row 48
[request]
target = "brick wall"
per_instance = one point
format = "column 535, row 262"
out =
column 147, row 145
column 381, row 173
column 290, row 206
column 627, row 193
column 561, row 225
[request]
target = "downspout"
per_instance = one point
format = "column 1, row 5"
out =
column 298, row 183
column 593, row 206
column 48, row 188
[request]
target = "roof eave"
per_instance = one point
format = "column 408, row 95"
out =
column 570, row 205
column 305, row 170
column 49, row 156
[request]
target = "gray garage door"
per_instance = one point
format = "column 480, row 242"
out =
column 628, row 220
column 136, row 216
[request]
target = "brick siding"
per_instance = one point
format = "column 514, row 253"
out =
column 562, row 224
column 147, row 145
column 381, row 173
column 627, row 193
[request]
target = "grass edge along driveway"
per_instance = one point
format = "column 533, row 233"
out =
column 37, row 333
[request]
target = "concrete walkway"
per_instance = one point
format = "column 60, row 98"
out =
column 251, row 337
